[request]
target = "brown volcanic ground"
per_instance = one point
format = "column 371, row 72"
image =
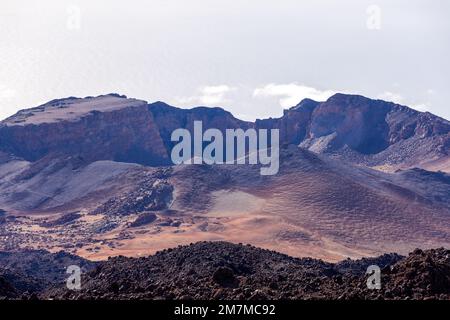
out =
column 314, row 207
column 82, row 175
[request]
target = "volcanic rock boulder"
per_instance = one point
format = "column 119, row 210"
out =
column 151, row 195
column 65, row 219
column 144, row 219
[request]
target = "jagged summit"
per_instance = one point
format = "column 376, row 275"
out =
column 305, row 104
column 107, row 127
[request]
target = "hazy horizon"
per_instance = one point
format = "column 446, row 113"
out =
column 253, row 60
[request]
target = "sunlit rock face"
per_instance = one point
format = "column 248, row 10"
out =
column 108, row 127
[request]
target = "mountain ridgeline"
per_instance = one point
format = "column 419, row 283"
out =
column 358, row 129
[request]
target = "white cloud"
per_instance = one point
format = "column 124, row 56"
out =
column 6, row 93
column 208, row 95
column 421, row 107
column 391, row 96
column 292, row 93
column 398, row 98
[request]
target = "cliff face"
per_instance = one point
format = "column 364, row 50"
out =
column 221, row 270
column 170, row 118
column 109, row 127
column 354, row 121
column 103, row 128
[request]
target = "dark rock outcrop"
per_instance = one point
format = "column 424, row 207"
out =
column 152, row 194
column 143, row 219
column 42, row 267
column 65, row 219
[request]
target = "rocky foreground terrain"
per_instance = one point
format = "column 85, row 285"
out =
column 221, row 270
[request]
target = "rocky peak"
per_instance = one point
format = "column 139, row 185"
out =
column 308, row 104
column 369, row 127
column 108, row 127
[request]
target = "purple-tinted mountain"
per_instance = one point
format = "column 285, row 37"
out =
column 113, row 127
column 362, row 130
column 27, row 272
column 170, row 118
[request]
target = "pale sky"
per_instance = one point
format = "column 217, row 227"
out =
column 252, row 57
